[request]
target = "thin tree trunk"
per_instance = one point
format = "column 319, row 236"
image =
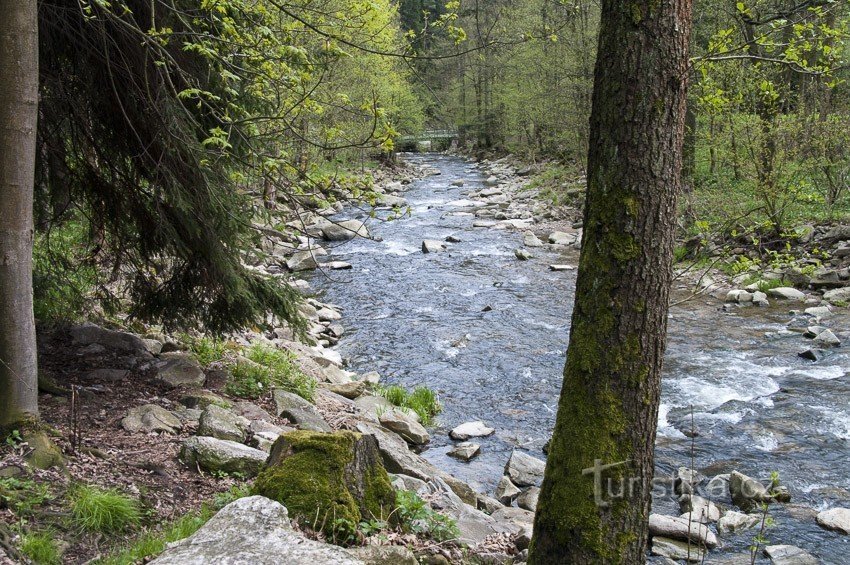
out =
column 18, row 117
column 608, row 409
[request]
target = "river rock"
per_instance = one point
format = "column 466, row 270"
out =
column 677, row 550
column 469, row 430
column 465, row 451
column 562, row 238
column 252, row 530
column 302, row 261
column 433, row 246
column 222, row 424
column 699, row 508
column 384, row 555
column 528, row 499
column 370, row 406
column 350, row 390
column 559, row 268
column 837, row 295
column 818, row 311
column 836, row 519
column 531, row 240
column 405, row 426
column 506, row 491
column 151, row 418
column 760, row 299
column 786, row 293
column 789, row 555
column 345, row 230
column 88, row 334
column 525, row 470
column 221, row 455
column 733, row 521
column 747, row 492
column 679, row 528
column 522, row 254
column 332, row 476
column 179, row 369
column 827, row 339
column 739, row 296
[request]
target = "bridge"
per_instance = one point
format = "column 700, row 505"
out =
column 429, row 140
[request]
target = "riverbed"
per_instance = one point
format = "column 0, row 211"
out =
column 489, row 333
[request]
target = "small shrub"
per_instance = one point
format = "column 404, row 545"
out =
column 282, row 371
column 423, row 401
column 415, row 516
column 22, row 496
column 41, row 548
column 248, row 380
column 207, row 350
column 103, row 510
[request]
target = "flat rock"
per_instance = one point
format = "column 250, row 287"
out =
column 465, row 451
column 679, row 528
column 506, row 491
column 180, row 370
column 151, row 418
column 786, row 293
column 699, row 508
column 837, row 295
column 345, row 230
column 789, row 555
column 469, row 430
column 559, row 268
column 528, row 499
column 401, row 423
column 88, row 334
column 676, row 550
column 253, row 530
column 337, row 266
column 733, row 521
column 212, row 454
column 525, row 470
column 836, row 519
column 221, row 423
column 433, row 246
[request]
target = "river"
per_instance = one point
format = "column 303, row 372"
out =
column 489, row 334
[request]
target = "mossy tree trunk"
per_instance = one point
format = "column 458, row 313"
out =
column 18, row 116
column 608, row 408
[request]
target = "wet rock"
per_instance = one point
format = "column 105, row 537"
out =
column 180, row 370
column 739, row 296
column 384, row 555
column 733, row 521
column 465, row 451
column 836, row 519
column 453, row 239
column 88, row 334
column 405, row 426
column 371, row 406
column 528, row 499
column 350, row 390
column 469, row 430
column 524, row 470
column 747, row 493
column 506, row 491
column 786, row 293
column 562, row 238
column 220, row 423
column 814, row 354
column 433, row 246
column 789, row 555
column 677, row 550
column 699, row 508
column 814, row 331
column 522, row 254
column 838, row 295
column 344, row 231
column 559, row 268
column 531, row 240
column 151, row 418
column 827, row 339
column 679, row 528
column 220, row 455
column 252, row 530
column 302, row 261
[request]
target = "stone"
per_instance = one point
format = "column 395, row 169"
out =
column 560, row 268
column 329, row 315
column 814, row 354
column 350, row 390
column 506, row 491
column 201, row 398
column 221, row 423
column 302, row 261
column 345, row 230
column 524, row 470
column 252, row 530
column 677, row 550
column 562, row 238
column 465, row 451
column 747, row 493
column 739, row 296
column 221, row 455
column 88, row 334
column 733, row 521
column 391, row 201
column 251, row 411
column 679, row 528
column 180, row 370
column 827, row 339
column 285, row 400
column 531, row 240
column 108, row 375
column 837, row 295
column 151, row 418
column 41, row 452
column 401, row 423
column 699, row 508
column 406, row 482
column 522, row 254
column 337, row 266
column 307, row 419
column 153, row 346
column 324, row 477
column 836, row 519
column 786, row 293
column 474, row 525
column 384, row 555
column 371, row 406
column 818, row 311
column 487, row 504
column 760, row 299
column 433, row 246
column 469, row 430
column 528, row 499
column 789, row 555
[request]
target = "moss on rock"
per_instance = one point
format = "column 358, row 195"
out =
column 325, row 477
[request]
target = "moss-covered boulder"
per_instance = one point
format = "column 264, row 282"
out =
column 326, row 479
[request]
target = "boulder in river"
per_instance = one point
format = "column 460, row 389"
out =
column 827, row 339
column 345, row 230
column 531, row 240
column 747, row 493
column 562, row 238
column 681, row 529
column 558, row 268
column 786, row 293
column 677, row 550
column 302, row 261
column 836, row 519
column 465, row 451
column 404, row 425
column 469, row 430
column 733, row 521
column 524, row 470
column 789, row 555
column 433, row 246
column 523, row 255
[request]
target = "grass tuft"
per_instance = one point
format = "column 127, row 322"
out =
column 423, row 401
column 41, row 548
column 271, row 368
column 106, row 511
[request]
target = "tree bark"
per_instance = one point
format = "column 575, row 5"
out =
column 608, row 408
column 18, row 117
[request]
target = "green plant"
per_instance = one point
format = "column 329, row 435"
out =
column 106, row 511
column 282, row 371
column 344, row 532
column 423, row 401
column 248, row 380
column 22, row 496
column 14, row 438
column 206, row 350
column 415, row 516
column 41, row 548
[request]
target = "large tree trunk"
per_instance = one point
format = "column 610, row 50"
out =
column 18, row 116
column 608, row 409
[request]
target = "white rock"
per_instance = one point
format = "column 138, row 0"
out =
column 433, row 246
column 525, row 470
column 469, row 430
column 837, row 519
column 561, row 268
column 734, row 521
column 465, row 451
column 789, row 555
column 679, row 528
column 787, row 293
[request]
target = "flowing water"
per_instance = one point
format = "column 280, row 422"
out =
column 489, row 333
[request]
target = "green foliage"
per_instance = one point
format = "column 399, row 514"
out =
column 22, row 496
column 106, row 511
column 422, row 400
column 41, row 548
column 415, row 516
column 269, row 368
column 207, row 350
